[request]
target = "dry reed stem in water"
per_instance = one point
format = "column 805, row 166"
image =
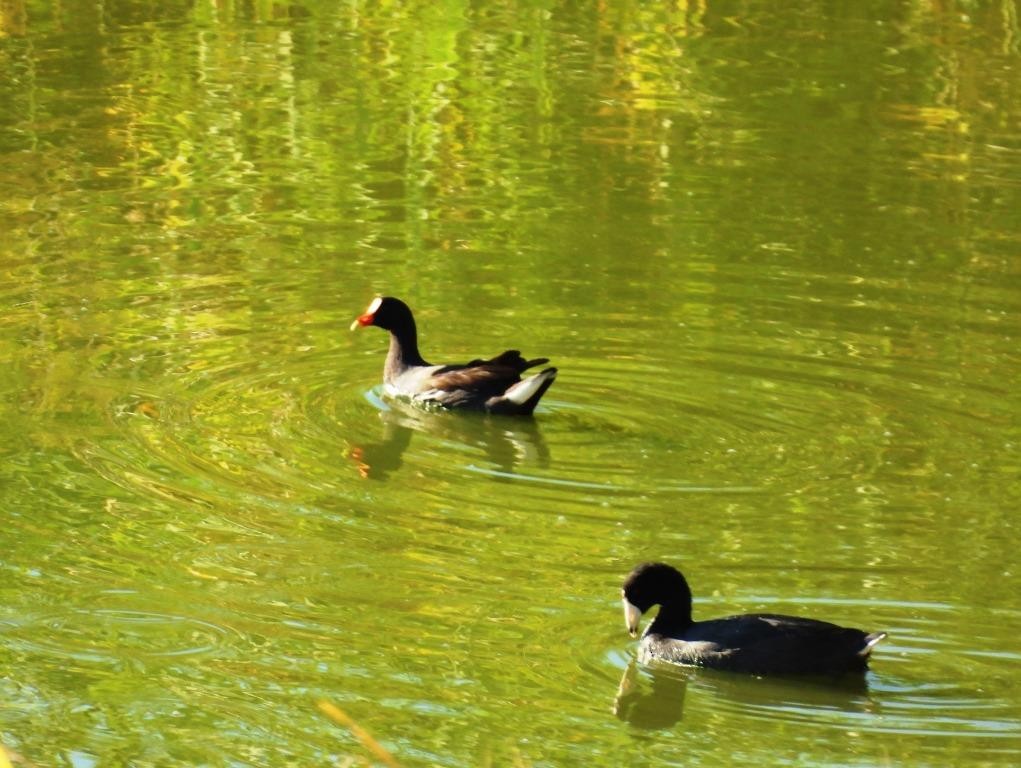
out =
column 338, row 715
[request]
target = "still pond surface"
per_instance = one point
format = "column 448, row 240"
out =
column 774, row 249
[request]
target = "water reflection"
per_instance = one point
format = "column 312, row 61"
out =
column 506, row 443
column 653, row 706
column 652, row 698
column 376, row 460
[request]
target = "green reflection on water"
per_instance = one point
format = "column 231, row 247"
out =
column 772, row 252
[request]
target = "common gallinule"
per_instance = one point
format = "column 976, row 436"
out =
column 494, row 386
column 757, row 643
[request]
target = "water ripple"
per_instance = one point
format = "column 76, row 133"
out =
column 113, row 636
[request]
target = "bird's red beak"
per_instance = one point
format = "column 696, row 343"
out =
column 362, row 320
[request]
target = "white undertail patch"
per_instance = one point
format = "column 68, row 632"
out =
column 520, row 393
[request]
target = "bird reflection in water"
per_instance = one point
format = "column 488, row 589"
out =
column 652, row 697
column 507, row 443
column 655, row 703
column 375, row 461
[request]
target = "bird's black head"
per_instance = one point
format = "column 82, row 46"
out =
column 652, row 584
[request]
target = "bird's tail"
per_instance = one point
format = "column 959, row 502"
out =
column 870, row 642
column 525, row 394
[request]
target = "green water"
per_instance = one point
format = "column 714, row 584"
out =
column 774, row 250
